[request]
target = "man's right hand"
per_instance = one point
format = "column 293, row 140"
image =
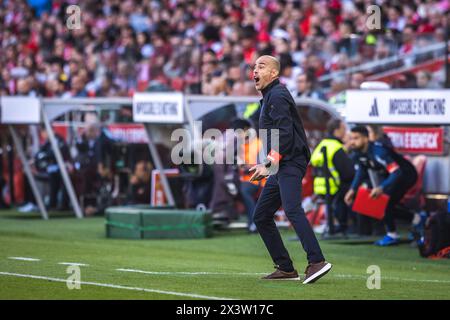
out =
column 349, row 197
column 261, row 172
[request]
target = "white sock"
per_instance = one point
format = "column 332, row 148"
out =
column 393, row 235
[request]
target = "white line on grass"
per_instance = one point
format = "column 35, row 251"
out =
column 203, row 273
column 391, row 278
column 73, row 264
column 114, row 286
column 200, row 273
column 24, row 259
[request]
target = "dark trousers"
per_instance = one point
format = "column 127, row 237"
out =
column 340, row 209
column 248, row 191
column 28, row 196
column 368, row 226
column 2, row 201
column 284, row 189
column 56, row 186
column 408, row 179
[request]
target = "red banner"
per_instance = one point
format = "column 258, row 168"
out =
column 125, row 132
column 417, row 140
column 131, row 133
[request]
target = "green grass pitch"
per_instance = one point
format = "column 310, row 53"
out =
column 229, row 266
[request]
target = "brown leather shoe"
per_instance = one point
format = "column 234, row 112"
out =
column 315, row 271
column 282, row 275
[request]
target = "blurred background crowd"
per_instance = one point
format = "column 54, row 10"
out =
column 208, row 47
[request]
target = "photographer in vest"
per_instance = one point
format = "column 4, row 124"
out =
column 340, row 173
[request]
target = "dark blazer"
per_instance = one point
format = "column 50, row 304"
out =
column 278, row 111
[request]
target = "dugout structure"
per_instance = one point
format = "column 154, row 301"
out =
column 159, row 112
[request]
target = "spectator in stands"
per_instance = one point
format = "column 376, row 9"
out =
column 356, row 79
column 40, row 6
column 406, row 80
column 77, row 85
column 306, row 87
column 24, row 87
column 395, row 19
column 107, row 88
column 347, row 43
column 234, row 74
column 289, row 71
column 424, row 80
column 54, row 88
column 218, row 86
column 377, row 134
column 140, row 188
column 337, row 94
column 181, row 45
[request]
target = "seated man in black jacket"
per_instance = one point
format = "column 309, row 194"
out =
column 140, row 188
column 45, row 162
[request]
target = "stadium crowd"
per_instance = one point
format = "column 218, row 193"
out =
column 200, row 46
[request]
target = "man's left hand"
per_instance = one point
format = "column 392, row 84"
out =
column 260, row 172
column 376, row 192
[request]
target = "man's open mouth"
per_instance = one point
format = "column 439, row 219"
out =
column 256, row 79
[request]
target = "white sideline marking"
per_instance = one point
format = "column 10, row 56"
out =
column 107, row 285
column 73, row 264
column 200, row 273
column 420, row 280
column 24, row 259
column 351, row 276
column 203, row 273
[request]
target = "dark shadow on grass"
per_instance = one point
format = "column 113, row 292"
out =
column 364, row 242
column 231, row 232
column 11, row 214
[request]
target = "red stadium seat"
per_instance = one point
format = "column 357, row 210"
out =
column 414, row 198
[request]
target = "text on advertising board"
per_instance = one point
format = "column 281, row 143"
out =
column 417, row 140
column 397, row 107
column 158, row 107
column 417, row 106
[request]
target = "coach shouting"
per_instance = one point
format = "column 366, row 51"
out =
column 285, row 169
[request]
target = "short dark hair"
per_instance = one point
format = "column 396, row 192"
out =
column 377, row 129
column 332, row 125
column 309, row 75
column 240, row 124
column 361, row 130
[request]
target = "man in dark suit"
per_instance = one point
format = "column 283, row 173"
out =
column 285, row 167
